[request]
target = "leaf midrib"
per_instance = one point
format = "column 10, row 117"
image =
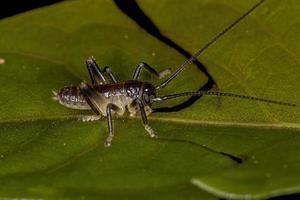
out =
column 264, row 125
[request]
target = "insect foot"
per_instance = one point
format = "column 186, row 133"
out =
column 89, row 118
column 108, row 140
column 164, row 73
column 150, row 131
column 55, row 98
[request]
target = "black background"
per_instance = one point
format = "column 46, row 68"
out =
column 12, row 7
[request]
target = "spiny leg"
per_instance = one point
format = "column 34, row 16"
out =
column 94, row 71
column 142, row 65
column 108, row 70
column 145, row 120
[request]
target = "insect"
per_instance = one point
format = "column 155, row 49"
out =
column 109, row 97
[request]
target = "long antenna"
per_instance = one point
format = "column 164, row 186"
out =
column 215, row 93
column 201, row 50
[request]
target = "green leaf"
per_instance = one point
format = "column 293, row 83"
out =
column 45, row 152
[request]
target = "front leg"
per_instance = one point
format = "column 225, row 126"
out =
column 148, row 128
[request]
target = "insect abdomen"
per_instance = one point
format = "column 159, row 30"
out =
column 71, row 97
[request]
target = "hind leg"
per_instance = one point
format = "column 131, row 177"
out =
column 96, row 103
column 95, row 73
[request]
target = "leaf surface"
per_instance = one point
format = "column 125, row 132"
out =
column 45, row 152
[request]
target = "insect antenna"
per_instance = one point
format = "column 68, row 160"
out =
column 215, row 93
column 201, row 50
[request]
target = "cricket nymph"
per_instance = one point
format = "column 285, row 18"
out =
column 122, row 95
column 106, row 96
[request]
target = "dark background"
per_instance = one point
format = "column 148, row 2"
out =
column 12, row 7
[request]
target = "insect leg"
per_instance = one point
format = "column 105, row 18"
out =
column 108, row 70
column 139, row 67
column 93, row 98
column 95, row 101
column 94, row 71
column 109, row 108
column 145, row 121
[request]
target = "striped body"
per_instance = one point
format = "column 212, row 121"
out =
column 71, row 97
column 121, row 95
